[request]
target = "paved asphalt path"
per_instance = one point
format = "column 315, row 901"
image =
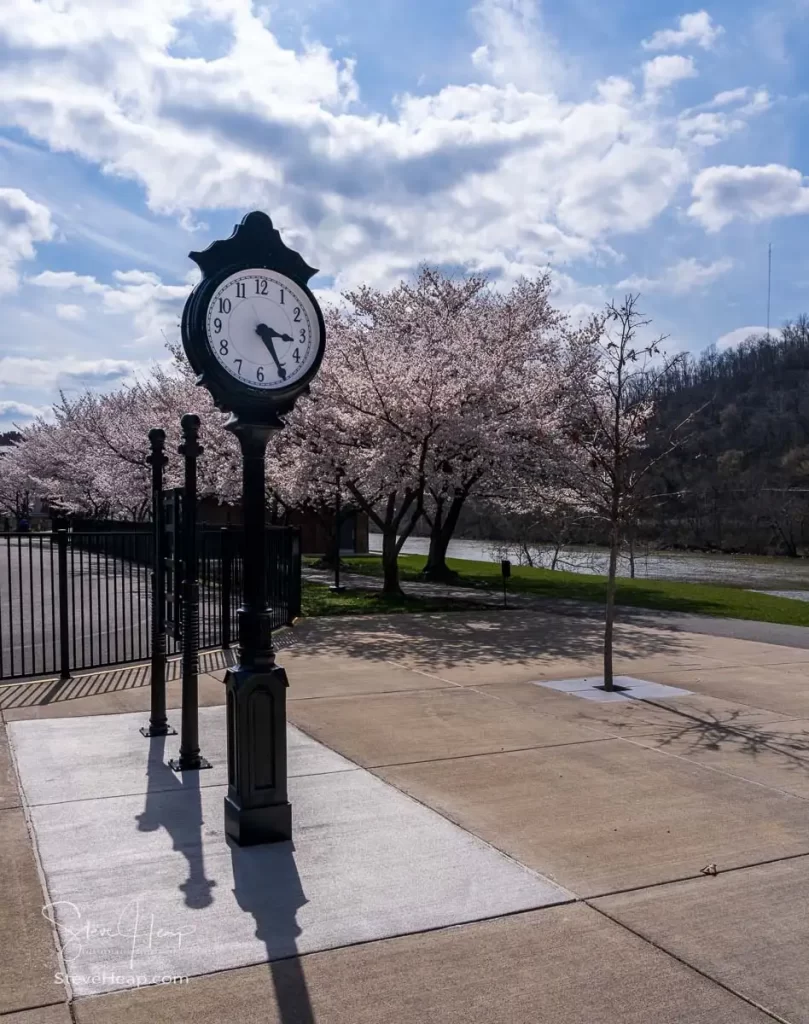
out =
column 738, row 629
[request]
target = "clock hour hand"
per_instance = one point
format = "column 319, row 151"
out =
column 267, row 334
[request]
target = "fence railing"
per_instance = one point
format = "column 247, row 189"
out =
column 72, row 600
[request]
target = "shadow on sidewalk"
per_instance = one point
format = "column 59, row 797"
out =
column 266, row 884
column 445, row 640
column 185, row 826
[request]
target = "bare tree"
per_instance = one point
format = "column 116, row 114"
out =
column 606, row 445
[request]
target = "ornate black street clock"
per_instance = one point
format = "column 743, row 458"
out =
column 254, row 334
column 251, row 328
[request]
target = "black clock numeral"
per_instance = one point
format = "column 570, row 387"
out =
column 282, row 296
column 240, row 364
column 260, row 373
column 296, row 355
column 303, row 334
column 217, row 325
column 240, row 289
column 224, row 306
column 297, row 316
column 261, row 286
column 223, row 347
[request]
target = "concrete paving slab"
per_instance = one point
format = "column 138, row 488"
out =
column 564, row 964
column 429, row 724
column 771, row 754
column 86, row 758
column 146, row 885
column 9, row 793
column 488, row 647
column 781, row 688
column 332, row 677
column 56, row 1014
column 26, row 939
column 596, row 817
column 748, row 929
column 632, row 717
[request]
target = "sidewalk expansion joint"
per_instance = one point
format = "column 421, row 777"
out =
column 687, row 964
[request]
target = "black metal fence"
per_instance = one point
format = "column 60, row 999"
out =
column 72, row 600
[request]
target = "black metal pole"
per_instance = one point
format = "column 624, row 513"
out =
column 336, row 588
column 64, row 625
column 158, row 723
column 256, row 806
column 190, row 758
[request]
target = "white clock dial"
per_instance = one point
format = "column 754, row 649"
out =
column 263, row 329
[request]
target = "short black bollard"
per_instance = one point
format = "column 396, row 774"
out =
column 190, row 758
column 158, row 723
column 505, row 568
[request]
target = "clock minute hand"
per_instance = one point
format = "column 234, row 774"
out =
column 267, row 334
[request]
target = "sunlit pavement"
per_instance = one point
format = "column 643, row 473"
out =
column 447, row 807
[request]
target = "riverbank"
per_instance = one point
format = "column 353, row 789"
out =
column 756, row 572
column 662, row 595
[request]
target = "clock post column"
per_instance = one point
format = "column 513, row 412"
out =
column 256, row 806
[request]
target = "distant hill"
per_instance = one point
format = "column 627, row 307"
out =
column 741, row 483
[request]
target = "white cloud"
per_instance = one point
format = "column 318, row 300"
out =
column 19, row 371
column 153, row 305
column 67, row 311
column 697, row 28
column 62, row 280
column 518, row 49
column 734, row 338
column 685, row 276
column 664, row 71
column 20, row 411
column 726, row 193
column 505, row 171
column 709, row 127
column 729, row 96
column 22, row 223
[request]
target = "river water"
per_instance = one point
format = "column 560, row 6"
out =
column 788, row 577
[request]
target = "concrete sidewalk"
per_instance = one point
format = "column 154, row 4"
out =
column 620, row 805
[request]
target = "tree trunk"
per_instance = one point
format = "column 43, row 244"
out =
column 609, row 618
column 390, row 563
column 631, row 558
column 441, row 534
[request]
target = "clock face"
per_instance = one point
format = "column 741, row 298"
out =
column 262, row 328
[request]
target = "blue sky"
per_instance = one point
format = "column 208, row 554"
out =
column 627, row 146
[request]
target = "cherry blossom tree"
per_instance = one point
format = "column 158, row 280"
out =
column 89, row 459
column 421, row 393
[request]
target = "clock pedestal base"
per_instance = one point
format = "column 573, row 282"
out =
column 256, row 806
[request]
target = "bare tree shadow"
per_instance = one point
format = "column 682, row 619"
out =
column 184, row 823
column 446, row 639
column 694, row 733
column 266, row 884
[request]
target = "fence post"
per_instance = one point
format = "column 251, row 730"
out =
column 64, row 625
column 190, row 758
column 226, row 583
column 158, row 723
column 294, row 606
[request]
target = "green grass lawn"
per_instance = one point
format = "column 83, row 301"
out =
column 317, row 599
column 695, row 598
